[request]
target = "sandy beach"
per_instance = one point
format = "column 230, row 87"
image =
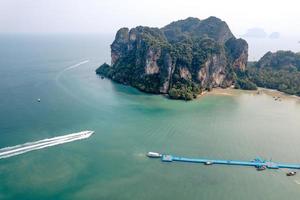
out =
column 261, row 91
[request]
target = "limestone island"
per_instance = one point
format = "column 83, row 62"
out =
column 182, row 59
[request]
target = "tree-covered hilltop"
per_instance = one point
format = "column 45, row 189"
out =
column 279, row 70
column 181, row 59
column 286, row 60
column 211, row 27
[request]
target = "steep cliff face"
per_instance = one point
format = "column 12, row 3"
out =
column 181, row 59
column 237, row 53
column 141, row 58
column 120, row 45
column 213, row 72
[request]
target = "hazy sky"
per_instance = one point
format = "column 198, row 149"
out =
column 106, row 16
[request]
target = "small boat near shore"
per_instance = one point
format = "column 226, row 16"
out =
column 261, row 168
column 208, row 163
column 293, row 173
column 153, row 155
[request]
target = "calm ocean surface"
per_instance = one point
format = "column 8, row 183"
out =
column 111, row 164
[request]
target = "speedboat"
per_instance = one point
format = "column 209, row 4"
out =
column 208, row 163
column 153, row 155
column 293, row 173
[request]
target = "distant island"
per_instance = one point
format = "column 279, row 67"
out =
column 279, row 70
column 189, row 56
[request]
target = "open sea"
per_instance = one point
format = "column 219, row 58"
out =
column 111, row 164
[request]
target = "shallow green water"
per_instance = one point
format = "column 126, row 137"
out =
column 112, row 163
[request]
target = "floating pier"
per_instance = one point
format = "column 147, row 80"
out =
column 257, row 162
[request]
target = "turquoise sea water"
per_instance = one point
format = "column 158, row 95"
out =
column 112, row 164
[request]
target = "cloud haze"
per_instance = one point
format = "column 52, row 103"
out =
column 274, row 35
column 256, row 33
column 106, row 16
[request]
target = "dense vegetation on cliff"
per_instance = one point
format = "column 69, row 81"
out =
column 279, row 70
column 181, row 59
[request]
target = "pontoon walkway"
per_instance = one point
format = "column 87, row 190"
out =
column 257, row 162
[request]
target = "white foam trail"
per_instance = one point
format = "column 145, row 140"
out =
column 31, row 146
column 62, row 86
column 74, row 66
column 35, row 144
column 40, row 141
column 70, row 67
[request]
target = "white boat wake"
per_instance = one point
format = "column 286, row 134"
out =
column 71, row 67
column 63, row 86
column 31, row 146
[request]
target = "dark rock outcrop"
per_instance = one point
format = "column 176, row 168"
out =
column 180, row 59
